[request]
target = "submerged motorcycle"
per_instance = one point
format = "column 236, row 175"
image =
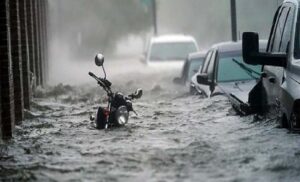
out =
column 118, row 107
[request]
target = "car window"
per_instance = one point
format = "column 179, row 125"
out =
column 206, row 62
column 274, row 25
column 185, row 68
column 277, row 36
column 286, row 36
column 171, row 51
column 210, row 69
column 297, row 41
column 232, row 68
column 194, row 66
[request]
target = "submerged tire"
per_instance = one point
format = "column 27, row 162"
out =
column 283, row 123
column 193, row 90
column 100, row 119
column 293, row 122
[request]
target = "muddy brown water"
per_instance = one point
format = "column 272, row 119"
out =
column 175, row 137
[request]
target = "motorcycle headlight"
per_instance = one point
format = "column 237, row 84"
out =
column 122, row 120
column 122, row 115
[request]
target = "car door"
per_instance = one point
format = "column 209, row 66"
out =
column 272, row 76
column 294, row 69
column 205, row 89
column 211, row 72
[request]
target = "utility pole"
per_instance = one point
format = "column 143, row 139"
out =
column 151, row 4
column 154, row 9
column 233, row 20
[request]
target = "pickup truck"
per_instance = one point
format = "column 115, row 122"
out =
column 278, row 91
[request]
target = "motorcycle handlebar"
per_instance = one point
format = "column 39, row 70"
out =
column 91, row 74
column 97, row 79
column 102, row 82
column 106, row 85
column 94, row 76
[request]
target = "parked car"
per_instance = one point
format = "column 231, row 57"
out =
column 169, row 50
column 191, row 66
column 279, row 88
column 224, row 72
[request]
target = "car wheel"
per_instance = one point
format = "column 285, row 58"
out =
column 293, row 121
column 283, row 122
column 193, row 90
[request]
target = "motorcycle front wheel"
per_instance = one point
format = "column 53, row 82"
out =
column 100, row 119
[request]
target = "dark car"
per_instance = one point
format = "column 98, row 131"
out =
column 278, row 91
column 191, row 66
column 224, row 72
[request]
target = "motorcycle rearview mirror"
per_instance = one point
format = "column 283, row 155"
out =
column 138, row 93
column 99, row 59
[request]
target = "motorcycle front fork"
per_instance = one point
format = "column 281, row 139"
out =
column 107, row 113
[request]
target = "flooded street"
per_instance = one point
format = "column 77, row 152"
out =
column 175, row 137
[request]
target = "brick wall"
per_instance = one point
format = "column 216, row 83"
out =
column 25, row 53
column 23, row 56
column 6, row 74
column 36, row 41
column 16, row 60
column 44, row 9
column 0, row 116
column 31, row 44
column 41, row 41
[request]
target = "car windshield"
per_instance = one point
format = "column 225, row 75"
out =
column 194, row 66
column 232, row 68
column 171, row 51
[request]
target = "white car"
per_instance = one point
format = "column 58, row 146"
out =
column 169, row 51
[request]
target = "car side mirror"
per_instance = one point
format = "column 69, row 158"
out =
column 99, row 60
column 203, row 79
column 177, row 81
column 252, row 55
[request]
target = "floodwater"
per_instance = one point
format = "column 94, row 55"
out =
column 174, row 137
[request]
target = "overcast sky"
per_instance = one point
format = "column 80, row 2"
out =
column 87, row 26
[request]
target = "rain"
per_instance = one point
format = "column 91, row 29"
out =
column 171, row 134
